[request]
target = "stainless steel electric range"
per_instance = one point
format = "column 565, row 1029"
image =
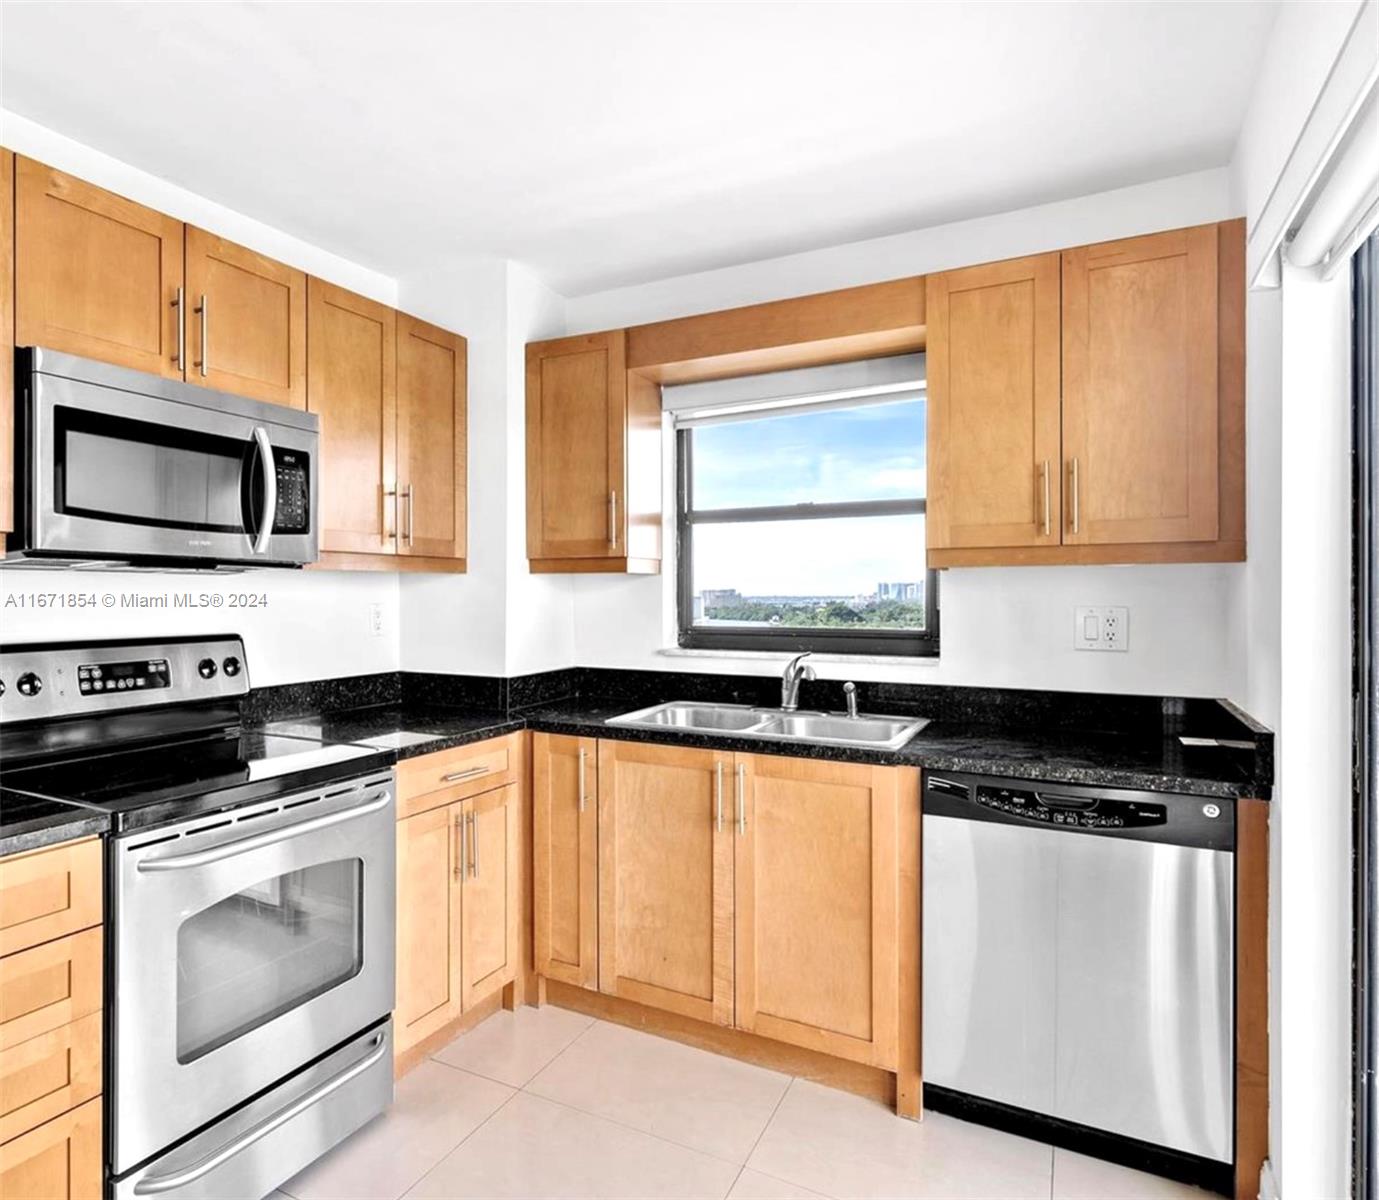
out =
column 250, row 899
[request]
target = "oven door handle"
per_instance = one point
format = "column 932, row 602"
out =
column 270, row 490
column 155, row 1184
column 202, row 858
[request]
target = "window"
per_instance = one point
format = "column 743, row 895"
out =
column 801, row 524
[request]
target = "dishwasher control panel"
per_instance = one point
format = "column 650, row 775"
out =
column 1050, row 808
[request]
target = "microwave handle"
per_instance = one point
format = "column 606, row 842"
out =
column 270, row 490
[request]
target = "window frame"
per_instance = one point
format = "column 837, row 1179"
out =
column 907, row 643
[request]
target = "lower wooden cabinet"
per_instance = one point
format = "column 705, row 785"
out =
column 753, row 891
column 59, row 1160
column 458, row 867
column 565, row 783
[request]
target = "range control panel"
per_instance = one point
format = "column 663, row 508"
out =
column 1049, row 808
column 51, row 680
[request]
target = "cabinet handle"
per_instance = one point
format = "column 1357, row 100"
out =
column 469, row 774
column 1048, row 499
column 459, row 858
column 718, row 797
column 1077, row 506
column 180, row 305
column 203, row 309
column 613, row 519
column 581, row 779
column 473, row 846
column 410, row 495
column 389, row 527
column 741, row 799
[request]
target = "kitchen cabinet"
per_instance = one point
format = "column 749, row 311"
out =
column 994, row 412
column 246, row 321
column 593, row 458
column 565, row 781
column 816, row 912
column 432, row 380
column 1088, row 407
column 59, row 1160
column 352, row 387
column 665, row 842
column 458, row 867
column 6, row 344
column 96, row 274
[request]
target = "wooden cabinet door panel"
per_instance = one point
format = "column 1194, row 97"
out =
column 1140, row 403
column 352, row 386
column 429, row 979
column 666, row 878
column 432, row 381
column 6, row 343
column 95, row 274
column 50, row 985
column 565, row 857
column 45, row 894
column 576, row 447
column 993, row 381
column 490, row 906
column 45, row 1076
column 246, row 321
column 60, row 1160
column 816, row 910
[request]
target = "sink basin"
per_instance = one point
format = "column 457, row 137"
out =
column 837, row 729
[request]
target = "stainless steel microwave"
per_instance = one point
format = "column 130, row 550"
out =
column 119, row 466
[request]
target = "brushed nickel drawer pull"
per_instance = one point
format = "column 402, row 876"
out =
column 613, row 518
column 203, row 309
column 180, row 305
column 741, row 799
column 581, row 778
column 473, row 845
column 1048, row 500
column 460, row 857
column 1077, row 505
column 466, row 774
column 718, row 796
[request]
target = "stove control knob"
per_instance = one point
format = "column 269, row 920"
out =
column 29, row 684
column 206, row 668
column 231, row 666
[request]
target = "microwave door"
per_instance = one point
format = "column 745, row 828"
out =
column 260, row 488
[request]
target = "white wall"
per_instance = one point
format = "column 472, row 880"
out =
column 1000, row 627
column 317, row 623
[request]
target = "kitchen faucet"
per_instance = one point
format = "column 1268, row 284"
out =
column 795, row 671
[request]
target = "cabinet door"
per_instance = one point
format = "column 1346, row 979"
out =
column 565, row 857
column 432, row 367
column 816, row 905
column 60, row 1160
column 993, row 379
column 666, row 878
column 1140, row 406
column 576, row 430
column 429, row 980
column 489, row 928
column 95, row 274
column 6, row 343
column 246, row 319
column 352, row 387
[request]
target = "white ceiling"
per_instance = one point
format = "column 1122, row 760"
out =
column 606, row 144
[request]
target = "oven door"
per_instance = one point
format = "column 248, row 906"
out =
column 111, row 473
column 247, row 944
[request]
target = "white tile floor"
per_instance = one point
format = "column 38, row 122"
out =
column 548, row 1103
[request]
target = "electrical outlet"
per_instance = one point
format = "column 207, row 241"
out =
column 376, row 620
column 1105, row 627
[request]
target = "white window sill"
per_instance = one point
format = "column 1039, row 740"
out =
column 777, row 656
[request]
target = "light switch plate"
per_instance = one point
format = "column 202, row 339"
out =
column 376, row 620
column 1104, row 627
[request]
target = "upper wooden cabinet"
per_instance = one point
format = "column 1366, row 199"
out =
column 246, row 319
column 352, row 387
column 96, row 274
column 432, row 375
column 565, row 780
column 593, row 458
column 993, row 383
column 1137, row 455
column 666, row 932
column 6, row 344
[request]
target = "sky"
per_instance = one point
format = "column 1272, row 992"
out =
column 870, row 453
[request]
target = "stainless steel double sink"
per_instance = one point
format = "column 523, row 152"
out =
column 740, row 720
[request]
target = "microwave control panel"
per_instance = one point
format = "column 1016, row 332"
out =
column 294, row 492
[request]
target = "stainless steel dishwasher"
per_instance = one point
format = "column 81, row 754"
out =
column 1078, row 956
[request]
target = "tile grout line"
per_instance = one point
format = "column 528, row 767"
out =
column 422, row 1178
column 785, row 1091
column 555, row 1058
column 517, row 1086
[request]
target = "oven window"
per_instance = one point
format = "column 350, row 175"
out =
column 135, row 472
column 264, row 951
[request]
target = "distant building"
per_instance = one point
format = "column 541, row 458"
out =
column 715, row 597
column 900, row 591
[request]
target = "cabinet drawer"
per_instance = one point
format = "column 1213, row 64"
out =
column 47, row 1075
column 48, row 893
column 49, row 986
column 450, row 775
column 60, row 1160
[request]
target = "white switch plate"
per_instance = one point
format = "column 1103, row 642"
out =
column 376, row 620
column 1105, row 627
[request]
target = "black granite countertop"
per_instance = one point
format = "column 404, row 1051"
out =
column 408, row 730
column 32, row 822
